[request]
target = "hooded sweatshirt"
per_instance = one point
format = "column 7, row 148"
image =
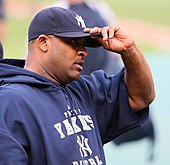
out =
column 42, row 123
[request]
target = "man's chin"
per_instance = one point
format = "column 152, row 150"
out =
column 75, row 77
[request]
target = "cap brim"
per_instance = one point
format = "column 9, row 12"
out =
column 91, row 42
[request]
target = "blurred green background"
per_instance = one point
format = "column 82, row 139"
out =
column 150, row 11
column 156, row 11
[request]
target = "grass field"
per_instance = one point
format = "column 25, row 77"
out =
column 16, row 37
column 151, row 11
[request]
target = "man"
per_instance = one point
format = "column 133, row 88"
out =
column 46, row 116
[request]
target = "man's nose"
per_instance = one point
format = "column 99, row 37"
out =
column 83, row 53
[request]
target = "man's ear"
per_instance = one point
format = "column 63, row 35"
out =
column 42, row 42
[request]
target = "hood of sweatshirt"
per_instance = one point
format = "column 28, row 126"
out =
column 12, row 71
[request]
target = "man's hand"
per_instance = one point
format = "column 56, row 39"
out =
column 113, row 38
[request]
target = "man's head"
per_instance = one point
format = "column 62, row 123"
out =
column 57, row 44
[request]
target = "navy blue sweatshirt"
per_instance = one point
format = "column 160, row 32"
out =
column 42, row 123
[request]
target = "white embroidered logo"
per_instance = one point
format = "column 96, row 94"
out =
column 80, row 21
column 84, row 146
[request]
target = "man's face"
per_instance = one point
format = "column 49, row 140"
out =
column 66, row 58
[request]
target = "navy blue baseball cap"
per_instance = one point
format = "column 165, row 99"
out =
column 61, row 23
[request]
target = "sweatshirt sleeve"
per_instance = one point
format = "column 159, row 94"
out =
column 111, row 105
column 12, row 148
column 11, row 152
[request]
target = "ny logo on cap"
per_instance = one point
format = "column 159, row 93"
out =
column 80, row 21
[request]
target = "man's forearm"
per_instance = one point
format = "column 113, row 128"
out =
column 138, row 78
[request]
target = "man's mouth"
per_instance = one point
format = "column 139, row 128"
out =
column 79, row 64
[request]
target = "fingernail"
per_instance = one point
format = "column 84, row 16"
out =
column 105, row 38
column 111, row 35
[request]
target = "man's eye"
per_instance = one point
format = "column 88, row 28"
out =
column 78, row 42
column 75, row 42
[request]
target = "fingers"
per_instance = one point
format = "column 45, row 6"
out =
column 106, row 32
column 111, row 32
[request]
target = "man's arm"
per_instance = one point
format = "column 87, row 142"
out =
column 138, row 77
